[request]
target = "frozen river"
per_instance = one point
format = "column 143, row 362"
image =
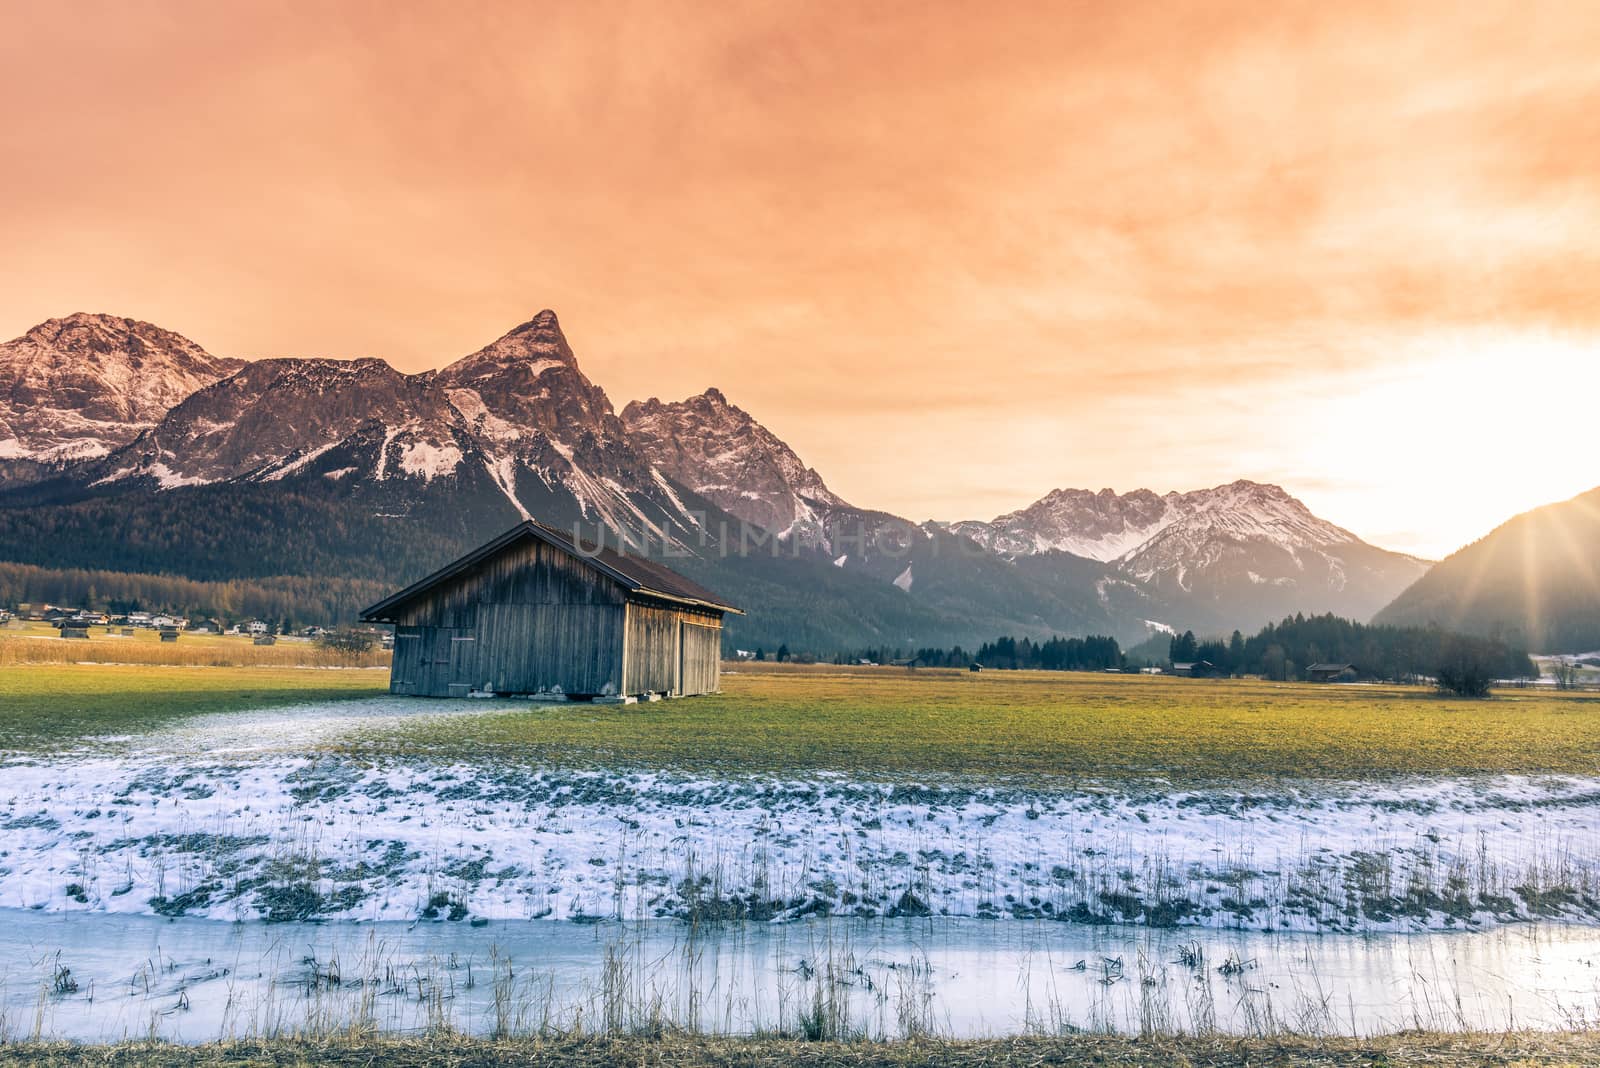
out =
column 96, row 976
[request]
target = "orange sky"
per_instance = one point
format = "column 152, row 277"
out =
column 955, row 254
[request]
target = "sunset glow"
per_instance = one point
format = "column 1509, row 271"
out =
column 956, row 256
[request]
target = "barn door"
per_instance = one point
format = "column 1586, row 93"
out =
column 464, row 661
column 405, row 663
column 436, row 668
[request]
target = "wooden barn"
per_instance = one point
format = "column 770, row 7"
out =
column 1331, row 673
column 530, row 612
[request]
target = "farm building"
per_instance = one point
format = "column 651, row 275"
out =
column 531, row 612
column 1330, row 672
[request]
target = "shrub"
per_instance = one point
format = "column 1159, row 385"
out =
column 1466, row 668
column 347, row 641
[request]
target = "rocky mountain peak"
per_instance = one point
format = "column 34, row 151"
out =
column 721, row 452
column 533, row 410
column 1257, row 509
column 82, row 385
column 536, row 345
column 528, row 380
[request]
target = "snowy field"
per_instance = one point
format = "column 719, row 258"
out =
column 224, row 819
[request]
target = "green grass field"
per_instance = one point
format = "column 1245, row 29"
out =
column 50, row 705
column 883, row 723
column 1055, row 725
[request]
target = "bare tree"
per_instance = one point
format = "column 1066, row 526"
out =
column 1566, row 674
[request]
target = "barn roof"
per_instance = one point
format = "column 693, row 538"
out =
column 637, row 573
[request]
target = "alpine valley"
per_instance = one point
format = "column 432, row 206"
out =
column 126, row 448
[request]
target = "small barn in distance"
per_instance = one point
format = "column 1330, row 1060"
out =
column 1331, row 672
column 531, row 612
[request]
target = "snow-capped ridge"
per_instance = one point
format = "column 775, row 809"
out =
column 722, row 453
column 1250, row 548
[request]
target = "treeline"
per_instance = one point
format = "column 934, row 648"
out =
column 1094, row 653
column 955, row 656
column 1283, row 651
column 291, row 600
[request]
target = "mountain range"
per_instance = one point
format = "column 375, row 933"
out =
column 127, row 447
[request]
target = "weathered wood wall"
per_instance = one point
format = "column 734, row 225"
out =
column 672, row 649
column 531, row 619
column 701, row 656
column 652, row 645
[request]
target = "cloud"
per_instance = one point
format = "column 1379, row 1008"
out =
column 936, row 248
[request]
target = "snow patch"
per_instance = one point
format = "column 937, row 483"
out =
column 170, row 479
column 504, row 472
column 295, row 465
column 428, row 461
column 382, row 471
column 68, row 451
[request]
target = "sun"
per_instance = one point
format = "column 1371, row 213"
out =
column 1449, row 433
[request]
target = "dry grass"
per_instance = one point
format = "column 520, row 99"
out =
column 36, row 643
column 1419, row 1049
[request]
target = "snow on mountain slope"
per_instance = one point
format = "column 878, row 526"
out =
column 1199, row 526
column 1107, row 526
column 719, row 451
column 1100, row 526
column 81, row 386
column 283, row 418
